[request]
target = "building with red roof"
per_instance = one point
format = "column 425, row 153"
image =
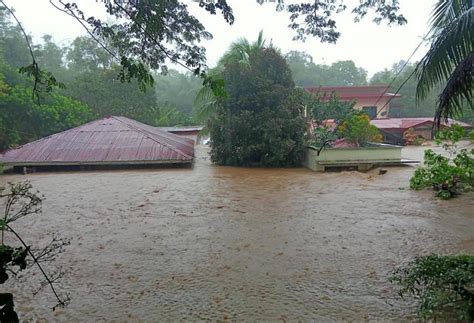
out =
column 373, row 99
column 111, row 141
column 422, row 126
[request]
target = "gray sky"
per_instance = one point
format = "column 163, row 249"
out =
column 371, row 46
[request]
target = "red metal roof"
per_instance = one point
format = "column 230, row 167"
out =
column 348, row 93
column 112, row 140
column 406, row 123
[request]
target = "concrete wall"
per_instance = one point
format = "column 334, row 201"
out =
column 363, row 157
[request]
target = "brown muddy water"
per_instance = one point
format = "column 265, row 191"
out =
column 224, row 243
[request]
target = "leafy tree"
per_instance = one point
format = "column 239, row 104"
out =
column 50, row 56
column 306, row 73
column 106, row 95
column 85, row 55
column 177, row 90
column 450, row 59
column 259, row 122
column 21, row 120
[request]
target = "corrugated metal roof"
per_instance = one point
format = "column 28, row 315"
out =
column 353, row 92
column 112, row 140
column 406, row 123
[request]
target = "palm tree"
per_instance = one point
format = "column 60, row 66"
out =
column 238, row 52
column 450, row 59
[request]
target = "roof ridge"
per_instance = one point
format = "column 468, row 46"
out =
column 148, row 133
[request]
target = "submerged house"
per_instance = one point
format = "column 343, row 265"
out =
column 392, row 128
column 375, row 101
column 105, row 143
column 372, row 99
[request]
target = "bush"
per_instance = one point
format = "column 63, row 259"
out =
column 443, row 284
column 359, row 131
column 450, row 175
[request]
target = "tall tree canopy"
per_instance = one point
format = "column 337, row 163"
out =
column 259, row 122
column 307, row 73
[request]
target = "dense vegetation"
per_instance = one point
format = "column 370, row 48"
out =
column 93, row 89
column 448, row 174
column 258, row 123
column 444, row 285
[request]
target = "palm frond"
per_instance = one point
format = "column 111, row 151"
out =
column 447, row 51
column 446, row 11
column 205, row 103
column 260, row 43
column 458, row 90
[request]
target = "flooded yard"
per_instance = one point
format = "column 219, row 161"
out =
column 224, row 243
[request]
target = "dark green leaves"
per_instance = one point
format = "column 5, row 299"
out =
column 443, row 285
column 448, row 176
column 131, row 69
column 259, row 122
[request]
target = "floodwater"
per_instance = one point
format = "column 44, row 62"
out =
column 224, row 243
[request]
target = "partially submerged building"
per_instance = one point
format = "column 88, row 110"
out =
column 393, row 128
column 106, row 143
column 375, row 101
column 372, row 99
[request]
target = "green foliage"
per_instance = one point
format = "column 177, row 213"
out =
column 448, row 175
column 359, row 131
column 322, row 137
column 259, row 123
column 21, row 120
column 170, row 116
column 332, row 109
column 306, row 73
column 450, row 60
column 443, row 284
column 406, row 105
column 106, row 95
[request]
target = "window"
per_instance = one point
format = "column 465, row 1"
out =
column 371, row 111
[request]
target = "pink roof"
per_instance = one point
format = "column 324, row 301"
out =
column 347, row 93
column 406, row 123
column 112, row 140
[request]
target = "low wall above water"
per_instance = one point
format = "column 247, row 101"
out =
column 363, row 158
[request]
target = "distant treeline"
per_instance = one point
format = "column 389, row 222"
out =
column 93, row 90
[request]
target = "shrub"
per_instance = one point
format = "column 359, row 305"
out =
column 443, row 284
column 359, row 131
column 447, row 175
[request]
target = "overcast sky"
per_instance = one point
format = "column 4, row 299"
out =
column 373, row 47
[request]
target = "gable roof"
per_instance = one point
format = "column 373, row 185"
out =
column 111, row 140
